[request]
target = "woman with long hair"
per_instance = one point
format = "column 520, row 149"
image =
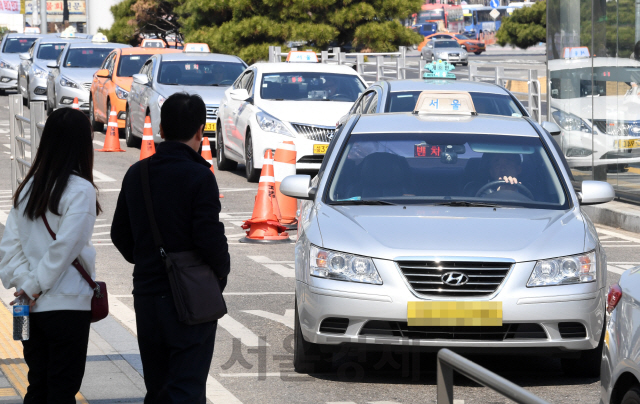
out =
column 57, row 192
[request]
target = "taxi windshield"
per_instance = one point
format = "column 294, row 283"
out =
column 18, row 45
column 305, row 86
column 446, row 44
column 131, row 64
column 86, row 57
column 446, row 169
column 485, row 103
column 50, row 51
column 199, row 73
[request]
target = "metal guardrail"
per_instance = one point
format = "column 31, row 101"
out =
column 449, row 361
column 375, row 66
column 20, row 162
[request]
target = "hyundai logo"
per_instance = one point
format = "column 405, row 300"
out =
column 635, row 129
column 455, row 278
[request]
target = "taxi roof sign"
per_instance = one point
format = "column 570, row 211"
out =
column 196, row 47
column 576, row 52
column 99, row 38
column 302, row 57
column 32, row 30
column 439, row 70
column 445, row 103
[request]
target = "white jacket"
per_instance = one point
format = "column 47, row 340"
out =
column 34, row 262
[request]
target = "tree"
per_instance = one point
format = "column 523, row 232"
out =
column 525, row 27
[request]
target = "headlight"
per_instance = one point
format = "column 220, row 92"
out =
column 269, row 123
column 564, row 270
column 570, row 122
column 40, row 73
column 65, row 82
column 341, row 266
column 463, row 54
column 161, row 100
column 123, row 94
column 6, row 65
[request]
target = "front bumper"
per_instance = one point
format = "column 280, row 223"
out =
column 8, row 79
column 453, row 59
column 121, row 110
column 546, row 306
column 37, row 88
column 305, row 157
column 66, row 95
column 597, row 149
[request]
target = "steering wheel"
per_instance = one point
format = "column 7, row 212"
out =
column 225, row 83
column 340, row 96
column 495, row 184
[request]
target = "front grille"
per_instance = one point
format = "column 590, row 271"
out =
column 618, row 128
column 317, row 133
column 455, row 55
column 500, row 333
column 477, row 278
column 86, row 86
column 572, row 330
column 334, row 325
column 212, row 112
column 316, row 159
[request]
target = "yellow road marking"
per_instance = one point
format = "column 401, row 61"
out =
column 7, row 392
column 12, row 360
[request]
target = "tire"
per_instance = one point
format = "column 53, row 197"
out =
column 251, row 173
column 2, row 92
column 223, row 163
column 307, row 357
column 130, row 140
column 477, row 53
column 49, row 108
column 97, row 126
column 588, row 364
column 465, row 64
column 632, row 396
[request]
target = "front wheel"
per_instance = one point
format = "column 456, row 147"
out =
column 251, row 173
column 587, row 364
column 477, row 53
column 224, row 164
column 130, row 140
column 632, row 396
column 307, row 357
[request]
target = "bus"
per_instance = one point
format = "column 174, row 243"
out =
column 478, row 20
column 450, row 18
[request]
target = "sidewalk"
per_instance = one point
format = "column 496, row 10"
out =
column 113, row 373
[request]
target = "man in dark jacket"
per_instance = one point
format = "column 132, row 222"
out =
column 175, row 357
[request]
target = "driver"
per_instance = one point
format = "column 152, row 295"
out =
column 505, row 167
column 330, row 86
column 218, row 74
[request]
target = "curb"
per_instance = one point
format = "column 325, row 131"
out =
column 617, row 214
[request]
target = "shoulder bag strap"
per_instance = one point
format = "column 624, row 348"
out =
column 75, row 262
column 146, row 191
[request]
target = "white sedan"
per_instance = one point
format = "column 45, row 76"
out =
column 273, row 102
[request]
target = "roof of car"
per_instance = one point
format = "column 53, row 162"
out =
column 89, row 44
column 20, row 35
column 218, row 57
column 147, row 51
column 450, row 85
column 57, row 39
column 303, row 67
column 407, row 122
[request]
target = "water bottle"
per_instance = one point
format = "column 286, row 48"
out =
column 21, row 318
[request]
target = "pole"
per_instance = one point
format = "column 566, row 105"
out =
column 43, row 16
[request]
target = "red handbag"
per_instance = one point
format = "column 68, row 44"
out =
column 100, row 300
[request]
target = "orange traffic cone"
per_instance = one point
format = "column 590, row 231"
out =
column 284, row 165
column 206, row 154
column 75, row 104
column 147, row 148
column 263, row 225
column 112, row 138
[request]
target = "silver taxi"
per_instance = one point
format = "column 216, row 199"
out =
column 445, row 49
column 11, row 47
column 33, row 70
column 72, row 73
column 194, row 71
column 445, row 228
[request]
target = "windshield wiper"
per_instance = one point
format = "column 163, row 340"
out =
column 468, row 204
column 363, row 202
column 215, row 84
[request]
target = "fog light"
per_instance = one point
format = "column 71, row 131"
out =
column 5, row 79
column 40, row 91
column 66, row 101
column 122, row 115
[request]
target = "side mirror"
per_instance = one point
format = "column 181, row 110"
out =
column 595, row 192
column 141, row 79
column 52, row 65
column 24, row 56
column 297, row 186
column 104, row 73
column 239, row 94
column 552, row 128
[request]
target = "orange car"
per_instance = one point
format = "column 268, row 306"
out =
column 471, row 45
column 112, row 83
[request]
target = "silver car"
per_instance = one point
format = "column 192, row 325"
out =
column 33, row 70
column 205, row 74
column 11, row 47
column 620, row 373
column 72, row 73
column 447, row 229
column 445, row 49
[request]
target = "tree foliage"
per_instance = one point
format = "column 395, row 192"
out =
column 248, row 27
column 525, row 27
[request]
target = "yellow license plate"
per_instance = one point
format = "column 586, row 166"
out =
column 454, row 313
column 210, row 127
column 320, row 148
column 627, row 143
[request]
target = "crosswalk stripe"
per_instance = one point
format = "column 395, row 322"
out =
column 616, row 270
column 101, row 177
column 287, row 319
column 618, row 235
column 275, row 266
column 245, row 335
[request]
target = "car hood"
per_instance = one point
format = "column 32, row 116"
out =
column 389, row 232
column 604, row 107
column 209, row 94
column 321, row 113
column 124, row 82
column 11, row 58
column 79, row 75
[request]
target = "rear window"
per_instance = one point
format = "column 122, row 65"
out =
column 18, row 45
column 131, row 64
column 50, row 51
column 485, row 103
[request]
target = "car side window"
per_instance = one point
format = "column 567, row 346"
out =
column 247, row 83
column 31, row 49
column 365, row 101
column 238, row 82
column 373, row 104
column 109, row 65
column 150, row 65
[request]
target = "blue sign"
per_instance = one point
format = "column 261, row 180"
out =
column 494, row 3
